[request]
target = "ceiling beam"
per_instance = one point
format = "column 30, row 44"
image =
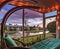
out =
column 34, row 1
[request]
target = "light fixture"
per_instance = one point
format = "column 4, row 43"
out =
column 48, row 9
column 40, row 10
column 57, row 7
column 53, row 8
column 58, row 17
column 58, row 27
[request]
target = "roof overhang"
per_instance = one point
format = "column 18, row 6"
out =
column 44, row 5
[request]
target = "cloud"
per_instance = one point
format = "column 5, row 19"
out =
column 2, row 13
column 30, row 15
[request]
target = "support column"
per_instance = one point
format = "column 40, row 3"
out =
column 44, row 34
column 57, row 34
column 58, row 24
column 23, row 24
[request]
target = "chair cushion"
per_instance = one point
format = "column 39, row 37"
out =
column 51, row 43
column 9, row 41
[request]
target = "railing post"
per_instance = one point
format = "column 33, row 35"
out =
column 44, row 25
column 23, row 24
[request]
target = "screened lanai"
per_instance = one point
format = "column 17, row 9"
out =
column 27, row 10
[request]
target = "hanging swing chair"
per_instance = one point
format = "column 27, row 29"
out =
column 8, row 43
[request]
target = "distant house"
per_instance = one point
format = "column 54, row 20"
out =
column 13, row 27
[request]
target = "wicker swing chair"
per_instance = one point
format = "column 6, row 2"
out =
column 5, row 46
